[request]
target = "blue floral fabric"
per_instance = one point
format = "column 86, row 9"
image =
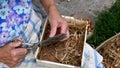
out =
column 14, row 17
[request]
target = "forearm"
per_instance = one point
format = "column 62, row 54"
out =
column 50, row 6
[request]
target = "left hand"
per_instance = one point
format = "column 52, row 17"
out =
column 55, row 19
column 11, row 55
column 56, row 23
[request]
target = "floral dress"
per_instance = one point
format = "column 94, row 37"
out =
column 17, row 19
column 14, row 16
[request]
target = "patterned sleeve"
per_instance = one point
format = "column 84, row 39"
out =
column 14, row 17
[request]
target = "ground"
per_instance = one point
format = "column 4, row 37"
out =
column 82, row 8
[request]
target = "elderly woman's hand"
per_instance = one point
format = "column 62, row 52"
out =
column 57, row 22
column 11, row 55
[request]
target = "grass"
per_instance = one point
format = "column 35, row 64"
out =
column 107, row 24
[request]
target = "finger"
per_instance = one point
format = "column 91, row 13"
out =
column 17, row 60
column 67, row 36
column 18, row 64
column 53, row 30
column 19, row 39
column 11, row 64
column 19, row 52
column 15, row 44
column 64, row 28
column 21, row 58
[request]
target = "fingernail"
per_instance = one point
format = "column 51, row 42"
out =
column 50, row 35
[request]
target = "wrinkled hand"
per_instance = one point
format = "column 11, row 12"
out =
column 56, row 23
column 11, row 55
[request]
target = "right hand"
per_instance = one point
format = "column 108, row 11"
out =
column 11, row 54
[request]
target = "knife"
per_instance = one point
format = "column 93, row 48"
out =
column 46, row 42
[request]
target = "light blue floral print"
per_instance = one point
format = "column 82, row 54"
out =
column 4, row 36
column 14, row 17
column 18, row 9
column 26, row 9
column 3, row 13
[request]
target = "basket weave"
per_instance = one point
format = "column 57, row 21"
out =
column 110, row 50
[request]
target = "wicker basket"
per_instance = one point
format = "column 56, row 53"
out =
column 110, row 50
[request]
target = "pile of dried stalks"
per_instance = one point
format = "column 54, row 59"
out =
column 66, row 52
column 110, row 50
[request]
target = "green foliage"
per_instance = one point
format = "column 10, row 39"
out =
column 107, row 25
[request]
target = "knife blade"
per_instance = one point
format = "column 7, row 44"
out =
column 46, row 42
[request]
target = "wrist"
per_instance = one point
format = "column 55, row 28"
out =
column 53, row 11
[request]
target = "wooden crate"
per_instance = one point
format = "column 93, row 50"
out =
column 110, row 50
column 82, row 26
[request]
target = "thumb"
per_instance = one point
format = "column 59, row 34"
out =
column 53, row 30
column 15, row 44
